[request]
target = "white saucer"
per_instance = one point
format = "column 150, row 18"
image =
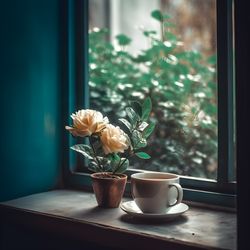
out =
column 131, row 208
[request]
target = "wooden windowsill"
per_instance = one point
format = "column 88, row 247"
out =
column 75, row 214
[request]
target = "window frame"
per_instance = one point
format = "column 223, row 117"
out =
column 76, row 92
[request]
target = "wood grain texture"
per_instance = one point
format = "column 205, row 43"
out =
column 76, row 214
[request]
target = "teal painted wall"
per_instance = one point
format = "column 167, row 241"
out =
column 29, row 97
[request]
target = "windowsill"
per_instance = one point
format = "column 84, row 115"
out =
column 75, row 214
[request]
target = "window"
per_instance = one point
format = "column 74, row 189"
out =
column 193, row 120
column 145, row 55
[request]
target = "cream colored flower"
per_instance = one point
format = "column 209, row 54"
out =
column 114, row 140
column 87, row 122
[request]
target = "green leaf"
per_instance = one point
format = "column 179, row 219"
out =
column 143, row 155
column 136, row 107
column 84, row 150
column 210, row 109
column 165, row 16
column 168, row 24
column 114, row 161
column 138, row 140
column 146, row 108
column 148, row 130
column 123, row 167
column 149, row 33
column 133, row 117
column 113, row 157
column 212, row 59
column 142, row 126
column 93, row 167
column 156, row 14
column 126, row 123
column 123, row 39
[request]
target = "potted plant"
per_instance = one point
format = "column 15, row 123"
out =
column 109, row 147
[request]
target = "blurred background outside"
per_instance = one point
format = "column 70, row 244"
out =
column 165, row 49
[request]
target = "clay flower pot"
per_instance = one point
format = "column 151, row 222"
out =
column 108, row 188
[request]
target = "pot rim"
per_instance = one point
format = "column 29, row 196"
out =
column 96, row 175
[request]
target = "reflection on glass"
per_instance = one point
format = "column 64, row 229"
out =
column 166, row 50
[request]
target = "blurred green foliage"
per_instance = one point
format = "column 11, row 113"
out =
column 183, row 89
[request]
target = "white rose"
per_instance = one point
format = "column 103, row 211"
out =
column 114, row 140
column 87, row 122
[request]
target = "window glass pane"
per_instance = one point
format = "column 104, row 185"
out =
column 166, row 50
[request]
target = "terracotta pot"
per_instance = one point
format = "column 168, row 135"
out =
column 108, row 188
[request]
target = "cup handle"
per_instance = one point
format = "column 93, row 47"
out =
column 179, row 194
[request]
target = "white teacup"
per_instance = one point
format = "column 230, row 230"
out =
column 153, row 192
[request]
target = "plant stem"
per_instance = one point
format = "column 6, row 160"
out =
column 95, row 156
column 119, row 165
column 162, row 31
